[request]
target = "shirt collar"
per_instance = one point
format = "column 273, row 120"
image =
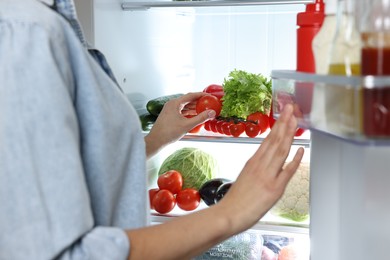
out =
column 67, row 9
column 47, row 2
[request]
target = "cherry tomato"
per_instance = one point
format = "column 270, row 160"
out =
column 260, row 119
column 236, row 129
column 170, row 180
column 152, row 192
column 226, row 128
column 219, row 126
column 208, row 102
column 299, row 131
column 188, row 199
column 252, row 130
column 163, row 201
column 213, row 126
column 207, row 126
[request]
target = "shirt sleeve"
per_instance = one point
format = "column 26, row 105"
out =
column 45, row 205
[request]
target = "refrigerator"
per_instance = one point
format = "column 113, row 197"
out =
column 158, row 48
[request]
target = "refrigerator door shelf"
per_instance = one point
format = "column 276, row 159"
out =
column 144, row 5
column 353, row 109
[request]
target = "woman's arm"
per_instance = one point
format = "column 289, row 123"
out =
column 258, row 187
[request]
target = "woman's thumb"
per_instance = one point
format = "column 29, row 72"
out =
column 203, row 117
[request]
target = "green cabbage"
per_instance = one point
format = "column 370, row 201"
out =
column 195, row 166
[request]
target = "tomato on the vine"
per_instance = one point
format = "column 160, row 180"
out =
column 163, row 201
column 208, row 102
column 226, row 128
column 207, row 125
column 213, row 125
column 236, row 129
column 219, row 126
column 152, row 192
column 170, row 180
column 252, row 129
column 188, row 199
column 260, row 119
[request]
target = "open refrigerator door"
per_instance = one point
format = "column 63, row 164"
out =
column 170, row 47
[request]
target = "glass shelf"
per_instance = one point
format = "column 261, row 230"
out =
column 355, row 109
column 144, row 5
column 206, row 136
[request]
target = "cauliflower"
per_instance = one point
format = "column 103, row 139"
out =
column 294, row 203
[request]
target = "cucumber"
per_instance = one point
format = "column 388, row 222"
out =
column 155, row 106
column 147, row 121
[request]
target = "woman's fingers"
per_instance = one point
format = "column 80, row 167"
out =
column 276, row 146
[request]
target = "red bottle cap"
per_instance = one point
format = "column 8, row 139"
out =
column 313, row 16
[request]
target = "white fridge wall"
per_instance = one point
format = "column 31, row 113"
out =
column 164, row 51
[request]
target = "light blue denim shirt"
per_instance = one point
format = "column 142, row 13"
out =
column 72, row 154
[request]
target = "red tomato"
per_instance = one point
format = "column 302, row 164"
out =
column 299, row 131
column 164, row 201
column 236, row 129
column 260, row 119
column 170, row 180
column 252, row 130
column 208, row 102
column 207, row 126
column 226, row 128
column 213, row 126
column 152, row 192
column 213, row 88
column 188, row 199
column 219, row 126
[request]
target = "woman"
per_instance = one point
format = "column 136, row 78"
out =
column 73, row 181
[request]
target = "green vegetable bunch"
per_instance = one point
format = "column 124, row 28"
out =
column 195, row 166
column 246, row 93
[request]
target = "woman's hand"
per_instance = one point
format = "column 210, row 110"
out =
column 172, row 122
column 263, row 180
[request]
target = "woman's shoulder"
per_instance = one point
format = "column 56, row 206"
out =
column 31, row 13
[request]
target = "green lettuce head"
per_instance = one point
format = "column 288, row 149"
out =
column 195, row 166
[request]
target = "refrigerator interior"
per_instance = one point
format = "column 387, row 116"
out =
column 169, row 50
column 182, row 49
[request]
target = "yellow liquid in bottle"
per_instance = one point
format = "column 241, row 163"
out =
column 342, row 100
column 343, row 70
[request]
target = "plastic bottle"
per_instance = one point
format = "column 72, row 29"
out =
column 341, row 102
column 309, row 23
column 375, row 60
column 321, row 49
column 322, row 42
column 346, row 45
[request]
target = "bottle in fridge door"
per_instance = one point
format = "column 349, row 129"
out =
column 375, row 60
